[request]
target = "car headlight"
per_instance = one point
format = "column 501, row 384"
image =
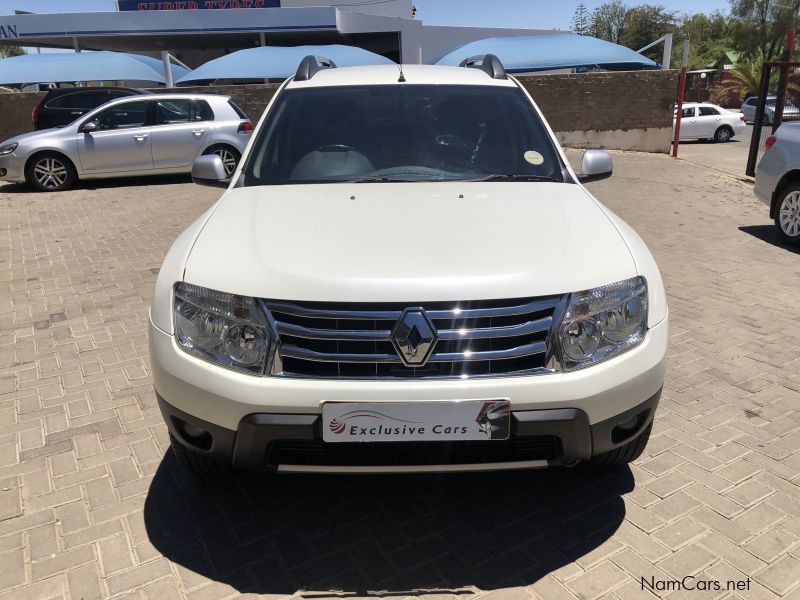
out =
column 602, row 323
column 227, row 329
column 8, row 148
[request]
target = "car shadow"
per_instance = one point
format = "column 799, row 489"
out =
column 768, row 233
column 271, row 534
column 100, row 184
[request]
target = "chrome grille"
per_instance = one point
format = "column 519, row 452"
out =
column 350, row 340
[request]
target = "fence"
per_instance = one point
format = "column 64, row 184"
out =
column 772, row 111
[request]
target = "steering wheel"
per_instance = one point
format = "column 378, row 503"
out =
column 336, row 148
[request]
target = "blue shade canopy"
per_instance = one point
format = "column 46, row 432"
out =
column 555, row 51
column 84, row 66
column 277, row 62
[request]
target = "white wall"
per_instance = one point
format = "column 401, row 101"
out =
column 392, row 8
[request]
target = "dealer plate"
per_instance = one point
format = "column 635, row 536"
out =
column 416, row 421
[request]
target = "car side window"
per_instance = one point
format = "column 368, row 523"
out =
column 123, row 116
column 708, row 111
column 751, row 101
column 202, row 111
column 688, row 112
column 79, row 100
column 172, row 112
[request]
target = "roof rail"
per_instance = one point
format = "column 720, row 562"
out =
column 311, row 65
column 488, row 63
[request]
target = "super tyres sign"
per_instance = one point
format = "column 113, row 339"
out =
column 137, row 5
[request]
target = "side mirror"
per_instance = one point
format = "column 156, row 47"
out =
column 89, row 127
column 209, row 170
column 596, row 165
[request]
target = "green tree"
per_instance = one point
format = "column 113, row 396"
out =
column 745, row 77
column 6, row 51
column 759, row 26
column 582, row 20
column 608, row 21
column 644, row 24
column 709, row 37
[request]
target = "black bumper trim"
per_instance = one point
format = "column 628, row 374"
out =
column 248, row 446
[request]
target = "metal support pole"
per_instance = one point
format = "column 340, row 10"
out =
column 262, row 39
column 76, row 44
column 667, row 56
column 777, row 118
column 167, row 68
column 755, row 139
column 681, row 91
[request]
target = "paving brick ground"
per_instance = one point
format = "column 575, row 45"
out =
column 92, row 505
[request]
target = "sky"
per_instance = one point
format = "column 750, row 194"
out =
column 524, row 14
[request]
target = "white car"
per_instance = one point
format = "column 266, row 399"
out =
column 405, row 274
column 708, row 121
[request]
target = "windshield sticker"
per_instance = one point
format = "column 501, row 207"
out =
column 534, row 157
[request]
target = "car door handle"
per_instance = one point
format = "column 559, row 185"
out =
column 140, row 138
column 76, row 112
column 198, row 132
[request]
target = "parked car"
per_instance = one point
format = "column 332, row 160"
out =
column 749, row 107
column 405, row 274
column 778, row 180
column 135, row 135
column 62, row 106
column 709, row 121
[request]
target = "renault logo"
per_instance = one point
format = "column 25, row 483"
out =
column 414, row 337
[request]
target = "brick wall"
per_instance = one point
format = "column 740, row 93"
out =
column 628, row 110
column 15, row 113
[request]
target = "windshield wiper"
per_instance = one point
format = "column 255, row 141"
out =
column 374, row 179
column 518, row 177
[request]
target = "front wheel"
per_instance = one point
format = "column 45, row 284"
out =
column 230, row 158
column 787, row 217
column 723, row 134
column 50, row 172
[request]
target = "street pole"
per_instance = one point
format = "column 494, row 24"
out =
column 681, row 91
column 700, row 87
column 167, row 68
column 777, row 118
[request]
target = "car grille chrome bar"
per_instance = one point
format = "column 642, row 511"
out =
column 473, row 339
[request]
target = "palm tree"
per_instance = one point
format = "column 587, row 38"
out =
column 745, row 77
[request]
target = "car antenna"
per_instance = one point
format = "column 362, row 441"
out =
column 402, row 78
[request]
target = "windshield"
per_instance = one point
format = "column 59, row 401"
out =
column 379, row 133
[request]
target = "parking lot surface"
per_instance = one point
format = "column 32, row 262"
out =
column 730, row 157
column 92, row 504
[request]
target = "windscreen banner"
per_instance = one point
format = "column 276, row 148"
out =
column 129, row 5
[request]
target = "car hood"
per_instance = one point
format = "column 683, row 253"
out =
column 383, row 242
column 34, row 137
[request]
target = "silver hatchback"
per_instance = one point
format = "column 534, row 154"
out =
column 129, row 136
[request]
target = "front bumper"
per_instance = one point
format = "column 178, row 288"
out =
column 244, row 415
column 225, row 397
column 12, row 168
column 293, row 443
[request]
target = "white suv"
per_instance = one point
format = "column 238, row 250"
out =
column 405, row 274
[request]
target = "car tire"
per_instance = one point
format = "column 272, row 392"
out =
column 723, row 134
column 624, row 454
column 787, row 214
column 229, row 155
column 50, row 172
column 199, row 462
